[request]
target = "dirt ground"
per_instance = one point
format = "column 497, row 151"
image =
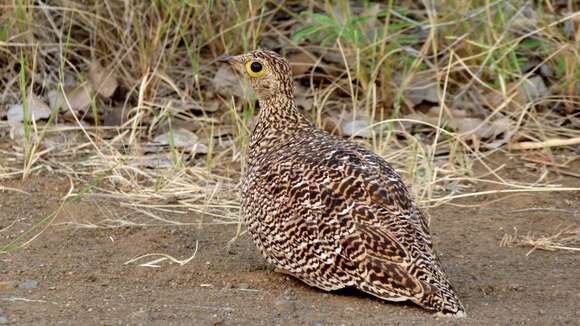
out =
column 74, row 275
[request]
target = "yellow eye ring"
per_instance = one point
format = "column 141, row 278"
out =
column 255, row 69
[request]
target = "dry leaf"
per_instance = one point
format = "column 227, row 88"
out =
column 116, row 116
column 301, row 99
column 219, row 131
column 331, row 123
column 301, row 63
column 422, row 88
column 62, row 140
column 79, row 98
column 182, row 139
column 529, row 90
column 158, row 160
column 36, row 110
column 335, row 56
column 533, row 88
column 461, row 122
column 211, row 106
column 102, row 80
column 227, row 84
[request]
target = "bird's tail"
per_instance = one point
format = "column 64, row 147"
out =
column 441, row 299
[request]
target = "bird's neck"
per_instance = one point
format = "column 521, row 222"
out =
column 279, row 113
column 278, row 120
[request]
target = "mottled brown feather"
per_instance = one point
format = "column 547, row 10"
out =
column 329, row 211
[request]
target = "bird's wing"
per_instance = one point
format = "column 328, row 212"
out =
column 346, row 209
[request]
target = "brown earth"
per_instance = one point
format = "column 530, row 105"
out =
column 83, row 279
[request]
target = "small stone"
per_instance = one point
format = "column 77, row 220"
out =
column 515, row 287
column 285, row 306
column 3, row 320
column 5, row 285
column 140, row 317
column 317, row 323
column 217, row 320
column 243, row 286
column 28, row 284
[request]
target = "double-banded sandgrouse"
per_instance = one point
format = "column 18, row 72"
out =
column 328, row 211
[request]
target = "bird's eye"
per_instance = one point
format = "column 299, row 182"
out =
column 255, row 69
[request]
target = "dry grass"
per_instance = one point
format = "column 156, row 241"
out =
column 567, row 238
column 364, row 62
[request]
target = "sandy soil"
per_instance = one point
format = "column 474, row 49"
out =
column 82, row 278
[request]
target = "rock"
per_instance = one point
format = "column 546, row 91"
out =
column 36, row 110
column 28, row 284
column 285, row 306
column 3, row 320
column 243, row 286
column 317, row 323
column 357, row 128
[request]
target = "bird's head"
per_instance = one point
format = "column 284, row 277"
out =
column 269, row 74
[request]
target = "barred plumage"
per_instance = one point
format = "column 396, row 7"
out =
column 328, row 211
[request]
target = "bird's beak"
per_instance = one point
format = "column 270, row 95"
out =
column 232, row 60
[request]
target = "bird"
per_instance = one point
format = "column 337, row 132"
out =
column 328, row 211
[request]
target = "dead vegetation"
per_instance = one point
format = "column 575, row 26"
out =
column 127, row 99
column 567, row 238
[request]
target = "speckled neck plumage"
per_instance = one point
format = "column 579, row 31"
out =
column 278, row 119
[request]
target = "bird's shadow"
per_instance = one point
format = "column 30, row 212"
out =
column 350, row 292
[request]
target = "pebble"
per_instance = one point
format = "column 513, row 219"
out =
column 28, row 284
column 243, row 286
column 4, row 285
column 3, row 319
column 317, row 323
column 140, row 317
column 217, row 320
column 285, row 306
column 515, row 287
